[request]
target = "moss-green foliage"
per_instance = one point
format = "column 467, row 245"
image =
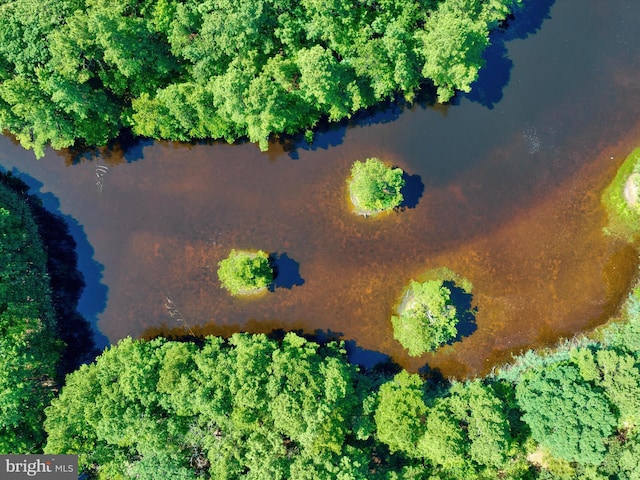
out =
column 248, row 408
column 467, row 431
column 580, row 401
column 427, row 319
column 29, row 347
column 83, row 69
column 401, row 413
column 244, row 271
column 624, row 220
column 567, row 414
column 374, row 186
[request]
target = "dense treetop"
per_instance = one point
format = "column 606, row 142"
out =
column 81, row 70
column 248, row 408
column 375, row 187
column 427, row 317
column 244, row 272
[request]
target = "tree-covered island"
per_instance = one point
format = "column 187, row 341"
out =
column 80, row 71
column 621, row 199
column 427, row 318
column 375, row 187
column 245, row 272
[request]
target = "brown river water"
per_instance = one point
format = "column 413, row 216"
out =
column 512, row 178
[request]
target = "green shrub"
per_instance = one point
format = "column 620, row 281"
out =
column 427, row 319
column 245, row 272
column 374, row 187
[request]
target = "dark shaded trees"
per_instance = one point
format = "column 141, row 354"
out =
column 29, row 345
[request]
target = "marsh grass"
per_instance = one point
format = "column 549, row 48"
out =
column 624, row 220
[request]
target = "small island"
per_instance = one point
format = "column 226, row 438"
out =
column 621, row 199
column 245, row 272
column 375, row 187
column 427, row 318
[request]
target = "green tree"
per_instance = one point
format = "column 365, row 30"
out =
column 244, row 272
column 427, row 319
column 374, row 187
column 75, row 71
column 401, row 413
column 467, row 431
column 566, row 414
column 249, row 408
column 620, row 378
column 453, row 41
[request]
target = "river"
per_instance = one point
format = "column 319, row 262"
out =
column 512, row 177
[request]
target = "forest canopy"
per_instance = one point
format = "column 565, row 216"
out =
column 79, row 71
column 259, row 407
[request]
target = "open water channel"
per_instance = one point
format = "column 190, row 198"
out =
column 512, row 177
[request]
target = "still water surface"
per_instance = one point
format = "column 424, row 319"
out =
column 512, row 179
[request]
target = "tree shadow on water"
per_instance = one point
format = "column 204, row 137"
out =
column 331, row 134
column 78, row 295
column 286, row 272
column 411, row 191
column 495, row 75
column 466, row 311
column 125, row 148
column 370, row 360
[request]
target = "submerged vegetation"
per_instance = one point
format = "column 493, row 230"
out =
column 375, row 187
column 79, row 71
column 245, row 272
